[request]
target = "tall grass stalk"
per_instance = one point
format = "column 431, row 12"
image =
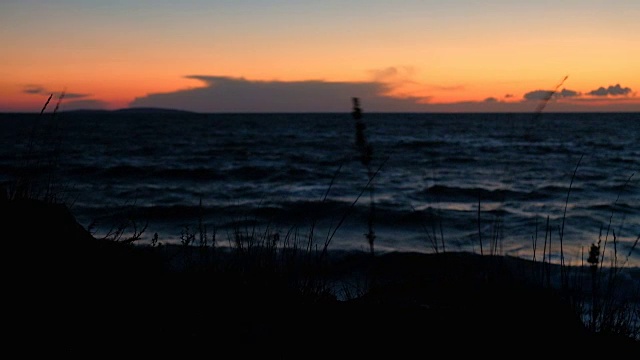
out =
column 436, row 225
column 53, row 162
column 547, row 236
column 34, row 128
column 332, row 232
column 37, row 178
column 606, row 238
column 547, row 98
column 563, row 270
column 366, row 154
column 479, row 228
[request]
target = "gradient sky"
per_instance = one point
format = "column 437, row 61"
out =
column 254, row 55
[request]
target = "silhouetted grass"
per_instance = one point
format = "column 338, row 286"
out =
column 37, row 175
column 599, row 293
column 366, row 155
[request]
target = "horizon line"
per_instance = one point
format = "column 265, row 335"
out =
column 173, row 110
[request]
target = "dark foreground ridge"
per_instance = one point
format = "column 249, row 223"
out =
column 68, row 292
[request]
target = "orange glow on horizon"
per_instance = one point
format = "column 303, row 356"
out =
column 115, row 94
column 423, row 51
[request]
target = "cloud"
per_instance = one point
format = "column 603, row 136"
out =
column 75, row 96
column 393, row 74
column 33, row 89
column 227, row 94
column 399, row 80
column 538, row 95
column 565, row 93
column 39, row 89
column 222, row 94
column 548, row 94
column 616, row 90
column 508, row 96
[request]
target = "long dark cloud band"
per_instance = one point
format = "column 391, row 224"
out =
column 230, row 94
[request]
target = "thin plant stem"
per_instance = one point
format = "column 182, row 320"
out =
column 479, row 228
column 564, row 216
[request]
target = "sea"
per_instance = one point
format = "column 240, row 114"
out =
column 540, row 186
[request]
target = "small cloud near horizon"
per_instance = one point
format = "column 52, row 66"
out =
column 538, row 95
column 40, row 90
column 565, row 93
column 75, row 96
column 394, row 75
column 602, row 92
column 616, row 90
column 33, row 89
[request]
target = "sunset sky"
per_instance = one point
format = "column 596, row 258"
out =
column 296, row 56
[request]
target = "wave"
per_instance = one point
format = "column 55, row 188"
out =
column 443, row 193
column 620, row 207
column 421, row 144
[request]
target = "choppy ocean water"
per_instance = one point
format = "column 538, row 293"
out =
column 535, row 180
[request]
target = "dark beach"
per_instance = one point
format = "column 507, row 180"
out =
column 72, row 293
